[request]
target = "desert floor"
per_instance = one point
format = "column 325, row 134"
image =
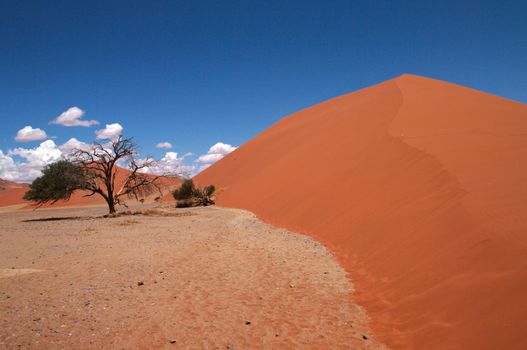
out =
column 203, row 278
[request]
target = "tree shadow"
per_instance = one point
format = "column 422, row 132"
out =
column 63, row 218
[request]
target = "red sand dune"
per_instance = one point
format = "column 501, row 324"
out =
column 420, row 187
column 11, row 193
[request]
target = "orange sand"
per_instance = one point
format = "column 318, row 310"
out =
column 11, row 193
column 420, row 188
column 203, row 278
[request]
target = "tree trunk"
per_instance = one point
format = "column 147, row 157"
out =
column 111, row 205
column 109, row 193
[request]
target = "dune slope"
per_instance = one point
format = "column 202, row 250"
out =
column 419, row 187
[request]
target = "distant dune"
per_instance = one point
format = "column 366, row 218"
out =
column 11, row 193
column 420, row 187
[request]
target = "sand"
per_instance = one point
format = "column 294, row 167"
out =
column 11, row 193
column 211, row 278
column 419, row 187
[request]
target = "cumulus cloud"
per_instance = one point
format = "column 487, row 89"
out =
column 165, row 145
column 215, row 153
column 110, row 132
column 72, row 145
column 25, row 164
column 8, row 168
column 41, row 155
column 171, row 164
column 32, row 161
column 72, row 117
column 27, row 133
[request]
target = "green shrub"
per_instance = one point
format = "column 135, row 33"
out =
column 188, row 195
column 185, row 191
column 57, row 182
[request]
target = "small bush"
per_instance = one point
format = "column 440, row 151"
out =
column 185, row 191
column 188, row 195
column 128, row 222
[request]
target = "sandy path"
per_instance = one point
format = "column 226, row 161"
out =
column 216, row 279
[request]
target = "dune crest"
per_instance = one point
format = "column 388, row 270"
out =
column 419, row 187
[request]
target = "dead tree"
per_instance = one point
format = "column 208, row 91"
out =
column 101, row 164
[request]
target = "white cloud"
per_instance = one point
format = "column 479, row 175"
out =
column 43, row 154
column 110, row 132
column 215, row 153
column 72, row 145
column 172, row 165
column 8, row 169
column 25, row 164
column 33, row 160
column 72, row 117
column 27, row 133
column 165, row 145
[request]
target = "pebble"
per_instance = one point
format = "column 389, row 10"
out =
column 140, row 283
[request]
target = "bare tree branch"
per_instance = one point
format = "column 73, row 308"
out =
column 101, row 170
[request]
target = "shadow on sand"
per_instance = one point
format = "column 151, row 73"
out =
column 64, row 218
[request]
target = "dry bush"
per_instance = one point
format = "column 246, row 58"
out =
column 128, row 222
column 188, row 195
column 161, row 211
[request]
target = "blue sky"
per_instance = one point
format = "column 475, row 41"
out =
column 194, row 73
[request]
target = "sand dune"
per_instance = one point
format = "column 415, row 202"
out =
column 420, row 188
column 7, row 185
column 11, row 193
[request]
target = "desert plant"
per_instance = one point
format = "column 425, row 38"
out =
column 203, row 196
column 58, row 181
column 188, row 195
column 185, row 191
column 210, row 190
